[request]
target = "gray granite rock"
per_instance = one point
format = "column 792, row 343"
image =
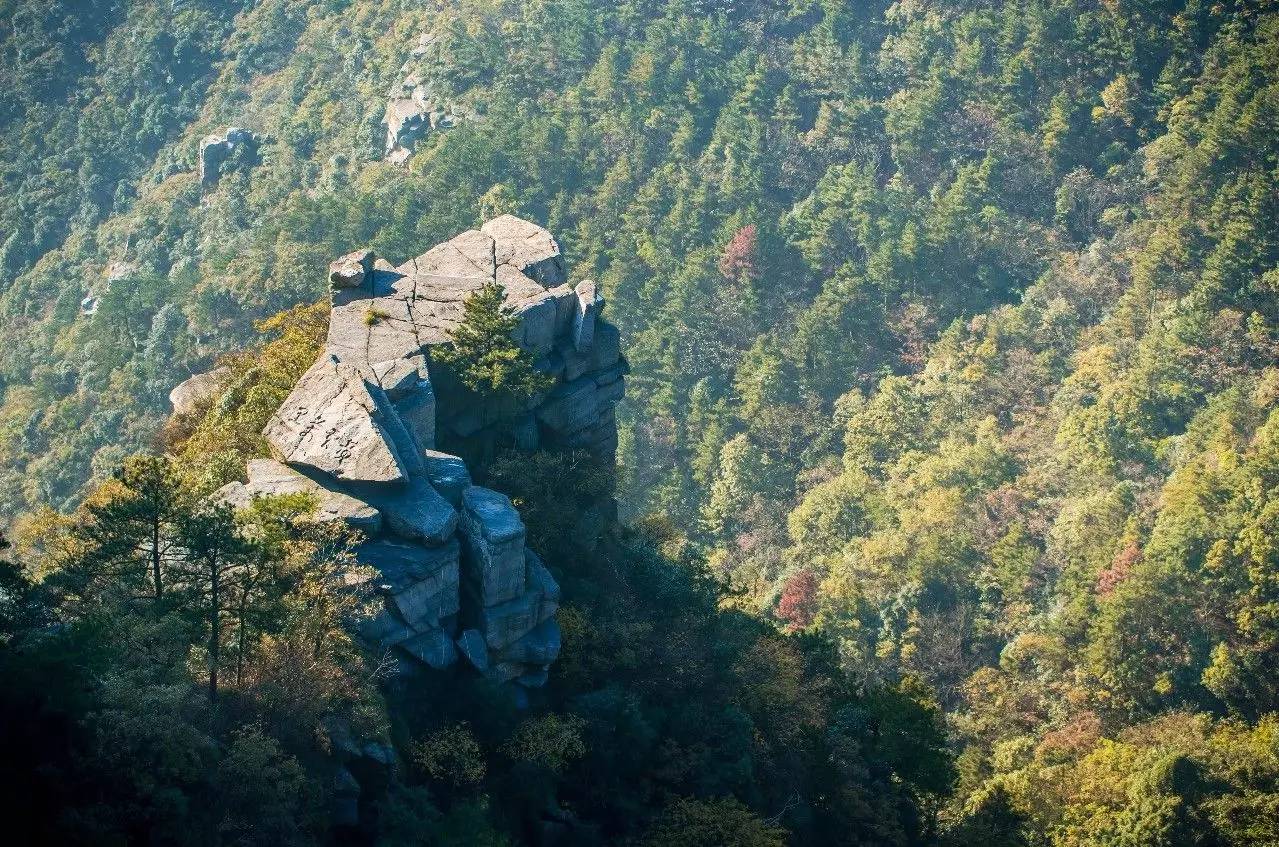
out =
column 405, row 444
column 187, row 395
column 570, row 406
column 416, row 512
column 454, row 269
column 611, row 392
column 589, row 305
column 565, row 308
column 267, row 477
column 613, row 374
column 416, row 409
column 528, row 248
column 543, row 584
column 351, row 270
column 419, row 583
column 330, row 422
column 502, row 672
column 433, row 648
column 539, row 646
column 400, row 377
column 493, row 535
column 505, row 623
column 607, row 350
column 380, row 752
column 360, row 430
column 525, row 433
column 385, row 628
column 536, row 332
column 216, row 148
column 472, row 647
column 406, row 123
column 448, row 475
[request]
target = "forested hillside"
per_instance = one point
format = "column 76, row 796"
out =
column 954, row 338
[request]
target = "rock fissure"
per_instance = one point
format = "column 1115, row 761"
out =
column 360, row 430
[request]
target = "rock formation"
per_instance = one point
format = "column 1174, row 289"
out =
column 187, row 395
column 417, row 106
column 116, row 272
column 360, row 430
column 215, row 149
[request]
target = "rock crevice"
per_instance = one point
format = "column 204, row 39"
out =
column 361, row 428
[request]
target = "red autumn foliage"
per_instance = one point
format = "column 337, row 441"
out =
column 1119, row 569
column 1073, row 740
column 738, row 262
column 798, row 603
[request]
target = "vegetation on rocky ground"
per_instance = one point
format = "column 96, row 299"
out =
column 953, row 335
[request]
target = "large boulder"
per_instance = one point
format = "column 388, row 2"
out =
column 401, row 377
column 493, row 535
column 351, row 270
column 589, row 305
column 543, row 584
column 419, row 583
column 217, row 148
column 536, row 332
column 406, row 123
column 417, row 512
column 188, row 395
column 505, row 623
column 330, row 422
column 433, row 648
column 571, row 406
column 472, row 647
column 359, row 431
column 448, row 475
column 416, row 408
column 528, row 248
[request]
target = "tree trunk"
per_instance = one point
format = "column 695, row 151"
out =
column 243, row 614
column 215, row 626
column 156, row 580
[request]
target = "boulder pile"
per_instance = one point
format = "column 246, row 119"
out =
column 360, row 432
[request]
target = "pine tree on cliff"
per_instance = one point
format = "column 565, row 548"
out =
column 485, row 357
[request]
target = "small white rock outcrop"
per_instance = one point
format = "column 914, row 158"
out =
column 187, row 395
column 360, row 429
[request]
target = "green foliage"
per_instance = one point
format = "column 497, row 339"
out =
column 188, row 714
column 661, row 691
column 553, row 511
column 964, row 311
column 550, row 742
column 687, row 823
column 213, row 443
column 483, row 355
column 452, row 755
column 213, row 709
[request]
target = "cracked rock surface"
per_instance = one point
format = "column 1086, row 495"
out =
column 361, row 428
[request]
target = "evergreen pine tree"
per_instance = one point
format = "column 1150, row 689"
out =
column 132, row 533
column 485, row 357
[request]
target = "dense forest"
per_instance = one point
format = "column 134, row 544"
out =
column 949, row 465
